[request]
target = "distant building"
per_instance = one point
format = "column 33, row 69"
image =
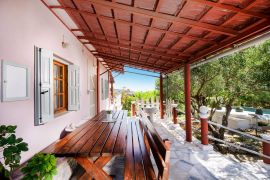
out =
column 117, row 99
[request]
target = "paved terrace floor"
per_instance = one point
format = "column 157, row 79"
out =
column 189, row 161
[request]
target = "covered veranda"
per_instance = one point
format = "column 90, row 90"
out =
column 159, row 36
column 164, row 36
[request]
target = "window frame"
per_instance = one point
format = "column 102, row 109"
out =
column 64, row 80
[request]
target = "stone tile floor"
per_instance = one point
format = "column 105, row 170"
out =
column 190, row 161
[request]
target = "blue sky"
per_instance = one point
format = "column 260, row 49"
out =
column 135, row 82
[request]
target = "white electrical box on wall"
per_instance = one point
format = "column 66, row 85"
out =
column 15, row 81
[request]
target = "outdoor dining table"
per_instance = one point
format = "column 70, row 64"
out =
column 94, row 143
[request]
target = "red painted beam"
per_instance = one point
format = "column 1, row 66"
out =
column 161, row 97
column 188, row 102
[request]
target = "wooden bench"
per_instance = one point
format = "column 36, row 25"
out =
column 142, row 139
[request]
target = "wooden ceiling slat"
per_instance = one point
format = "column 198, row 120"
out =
column 173, row 19
column 199, row 20
column 129, row 61
column 117, row 48
column 94, row 40
column 232, row 8
column 248, row 33
column 250, row 5
column 262, row 27
column 131, row 24
column 106, row 59
column 148, row 31
column 132, row 43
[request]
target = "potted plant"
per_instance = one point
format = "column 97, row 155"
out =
column 11, row 148
column 109, row 115
column 41, row 166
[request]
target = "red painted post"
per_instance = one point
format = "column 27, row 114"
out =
column 266, row 148
column 174, row 112
column 161, row 97
column 98, row 85
column 187, row 102
column 204, row 124
column 133, row 108
column 266, row 151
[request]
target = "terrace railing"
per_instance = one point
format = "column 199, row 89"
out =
column 204, row 137
column 155, row 102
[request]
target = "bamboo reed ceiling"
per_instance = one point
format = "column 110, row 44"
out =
column 161, row 35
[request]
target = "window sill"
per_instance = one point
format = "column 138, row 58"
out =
column 61, row 113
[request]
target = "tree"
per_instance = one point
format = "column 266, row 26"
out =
column 241, row 78
column 206, row 83
column 259, row 57
column 236, row 82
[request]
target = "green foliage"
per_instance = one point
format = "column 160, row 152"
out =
column 147, row 95
column 259, row 111
column 128, row 97
column 12, row 147
column 40, row 167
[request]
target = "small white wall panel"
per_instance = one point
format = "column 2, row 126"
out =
column 15, row 81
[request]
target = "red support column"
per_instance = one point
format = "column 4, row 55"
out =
column 266, row 148
column 187, row 102
column 266, row 151
column 204, row 124
column 97, row 89
column 161, row 97
column 174, row 112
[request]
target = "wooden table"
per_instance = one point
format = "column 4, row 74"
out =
column 94, row 143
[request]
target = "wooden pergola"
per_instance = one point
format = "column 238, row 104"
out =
column 164, row 35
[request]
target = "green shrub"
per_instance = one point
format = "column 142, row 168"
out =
column 12, row 147
column 259, row 111
column 40, row 167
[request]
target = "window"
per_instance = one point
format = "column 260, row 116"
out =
column 57, row 86
column 60, row 87
column 104, row 89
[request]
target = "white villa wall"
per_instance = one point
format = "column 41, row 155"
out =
column 237, row 120
column 104, row 103
column 25, row 24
